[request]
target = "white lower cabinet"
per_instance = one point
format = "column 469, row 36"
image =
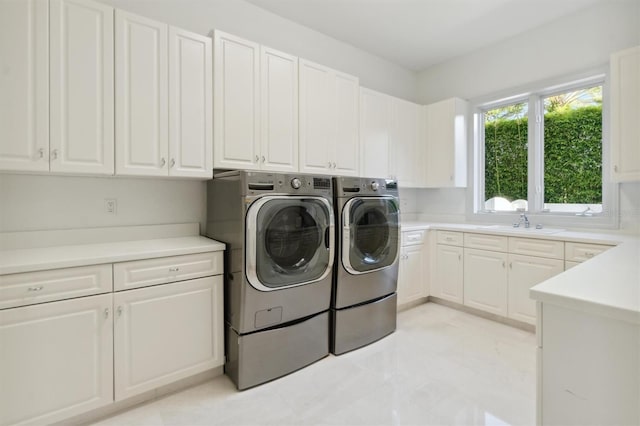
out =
column 165, row 333
column 524, row 273
column 449, row 276
column 411, row 276
column 485, row 280
column 56, row 360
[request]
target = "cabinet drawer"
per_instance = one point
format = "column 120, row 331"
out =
column 143, row 273
column 413, row 238
column 450, row 238
column 579, row 252
column 55, row 284
column 486, row 242
column 535, row 247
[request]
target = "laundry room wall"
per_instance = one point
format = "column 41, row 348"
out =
column 573, row 44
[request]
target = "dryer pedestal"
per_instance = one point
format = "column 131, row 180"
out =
column 259, row 357
column 360, row 325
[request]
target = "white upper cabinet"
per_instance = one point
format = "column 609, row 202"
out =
column 375, row 133
column 163, row 100
column 346, row 144
column 190, row 105
column 236, row 103
column 328, row 121
column 390, row 133
column 279, row 111
column 625, row 110
column 142, row 133
column 446, row 138
column 81, row 78
column 24, row 85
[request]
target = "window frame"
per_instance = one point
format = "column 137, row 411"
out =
column 534, row 95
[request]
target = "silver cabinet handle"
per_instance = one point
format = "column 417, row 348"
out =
column 263, row 159
column 504, row 265
column 119, row 311
column 173, row 163
column 510, row 265
column 41, row 153
column 162, row 162
column 615, row 169
column 106, row 313
column 334, row 165
column 459, row 257
column 589, row 254
column 174, row 269
column 257, row 158
column 329, row 165
column 54, row 154
column 38, row 288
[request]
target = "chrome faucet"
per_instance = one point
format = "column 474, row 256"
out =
column 523, row 219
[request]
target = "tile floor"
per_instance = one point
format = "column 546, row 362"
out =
column 441, row 367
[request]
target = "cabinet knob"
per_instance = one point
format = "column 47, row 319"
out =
column 257, row 158
column 38, row 288
column 174, row 269
column 510, row 265
column 589, row 254
column 41, row 153
column 334, row 165
column 615, row 168
column 459, row 257
column 504, row 265
column 172, row 163
column 162, row 162
column 263, row 159
column 106, row 313
column 54, row 154
column 119, row 311
column 329, row 165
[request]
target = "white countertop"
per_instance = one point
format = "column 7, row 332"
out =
column 607, row 285
column 157, row 241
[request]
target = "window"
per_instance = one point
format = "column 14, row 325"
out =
column 542, row 152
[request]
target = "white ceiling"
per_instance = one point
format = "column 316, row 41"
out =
column 419, row 33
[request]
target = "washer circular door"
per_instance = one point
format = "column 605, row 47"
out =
column 370, row 234
column 289, row 241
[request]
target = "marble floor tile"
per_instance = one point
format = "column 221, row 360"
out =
column 440, row 367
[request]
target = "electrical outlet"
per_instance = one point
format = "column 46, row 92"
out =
column 111, row 205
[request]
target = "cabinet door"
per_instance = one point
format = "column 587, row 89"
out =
column 56, row 360
column 279, row 141
column 449, row 272
column 81, row 58
column 24, row 84
column 190, row 105
column 485, row 280
column 316, row 123
column 236, row 143
column 411, row 275
column 165, row 333
column 375, row 133
column 141, row 96
column 445, row 134
column 345, row 147
column 404, row 156
column 625, row 110
column 524, row 273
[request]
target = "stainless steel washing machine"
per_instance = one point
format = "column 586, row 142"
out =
column 363, row 307
column 279, row 231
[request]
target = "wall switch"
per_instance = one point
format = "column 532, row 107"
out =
column 111, row 205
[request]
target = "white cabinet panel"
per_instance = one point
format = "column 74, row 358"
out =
column 446, row 156
column 406, row 161
column 625, row 110
column 141, row 96
column 524, row 273
column 449, row 273
column 56, row 360
column 316, row 123
column 236, row 102
column 580, row 252
column 24, row 85
column 82, row 103
column 45, row 286
column 165, row 333
column 375, row 133
column 190, row 105
column 537, row 247
column 345, row 146
column 279, row 111
column 486, row 242
column 452, row 238
column 485, row 280
column 411, row 277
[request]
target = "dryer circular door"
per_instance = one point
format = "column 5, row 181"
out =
column 370, row 234
column 290, row 241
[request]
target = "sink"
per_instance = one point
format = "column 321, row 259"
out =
column 521, row 230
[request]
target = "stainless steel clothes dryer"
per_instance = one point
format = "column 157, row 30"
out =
column 363, row 307
column 279, row 231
